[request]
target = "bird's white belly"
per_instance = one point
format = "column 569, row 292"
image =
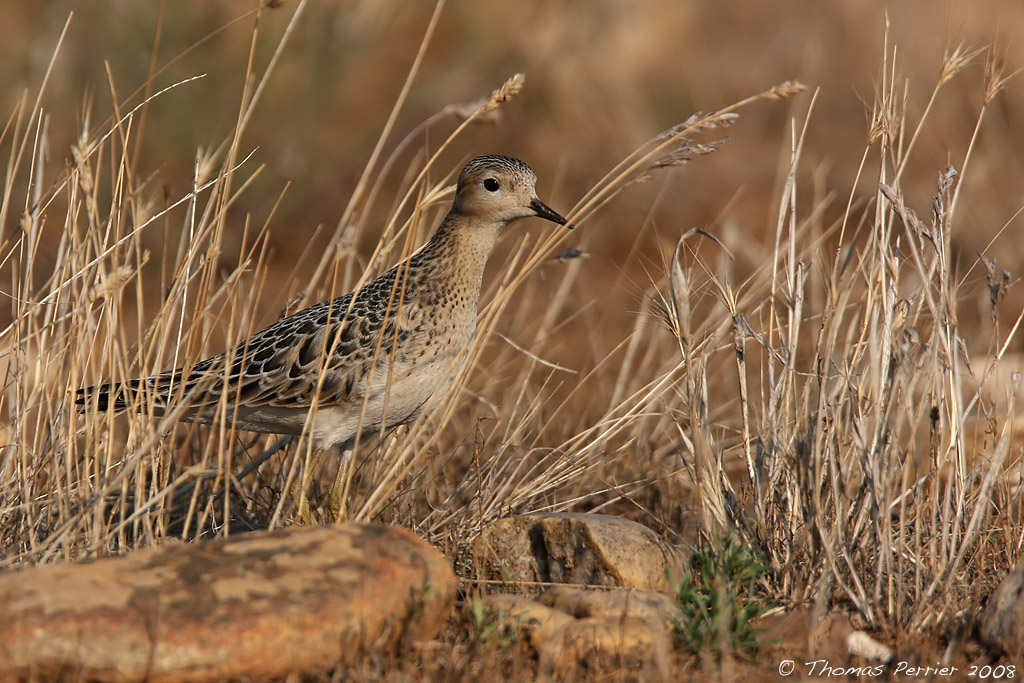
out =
column 412, row 391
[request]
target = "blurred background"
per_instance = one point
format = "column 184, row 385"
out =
column 602, row 77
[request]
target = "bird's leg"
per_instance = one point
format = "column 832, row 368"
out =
column 339, row 489
column 300, row 486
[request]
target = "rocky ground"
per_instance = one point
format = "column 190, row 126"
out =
column 559, row 596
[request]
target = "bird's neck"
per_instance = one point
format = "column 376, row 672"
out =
column 456, row 255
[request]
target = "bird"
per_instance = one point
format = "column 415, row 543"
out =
column 369, row 360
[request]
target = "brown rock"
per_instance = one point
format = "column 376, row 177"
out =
column 532, row 619
column 643, row 604
column 1002, row 621
column 570, row 626
column 626, row 642
column 577, row 548
column 261, row 604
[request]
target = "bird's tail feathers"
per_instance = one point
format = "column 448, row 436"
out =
column 131, row 394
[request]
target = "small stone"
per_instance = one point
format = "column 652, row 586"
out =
column 570, row 626
column 532, row 619
column 860, row 644
column 257, row 605
column 586, row 549
column 642, row 604
column 628, row 642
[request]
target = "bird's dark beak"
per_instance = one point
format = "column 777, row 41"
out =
column 546, row 212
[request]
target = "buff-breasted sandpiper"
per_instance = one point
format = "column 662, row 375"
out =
column 370, row 360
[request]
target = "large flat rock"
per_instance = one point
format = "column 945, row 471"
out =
column 260, row 604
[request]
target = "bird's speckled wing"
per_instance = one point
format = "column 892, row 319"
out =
column 281, row 365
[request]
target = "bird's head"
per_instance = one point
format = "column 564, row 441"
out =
column 502, row 189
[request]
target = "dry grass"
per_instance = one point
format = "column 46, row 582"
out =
column 830, row 392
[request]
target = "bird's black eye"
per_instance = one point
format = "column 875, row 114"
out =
column 491, row 185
